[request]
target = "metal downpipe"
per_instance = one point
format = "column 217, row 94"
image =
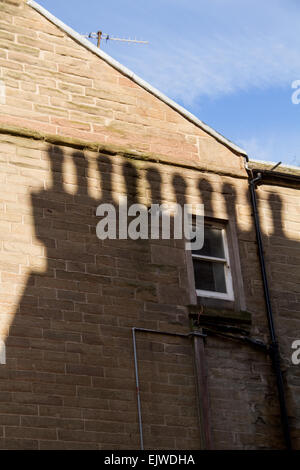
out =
column 200, row 379
column 274, row 344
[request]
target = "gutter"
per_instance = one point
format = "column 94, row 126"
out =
column 276, row 177
column 139, row 81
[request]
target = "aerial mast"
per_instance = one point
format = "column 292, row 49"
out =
column 99, row 35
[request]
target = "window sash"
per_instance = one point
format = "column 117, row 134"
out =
column 229, row 295
column 210, row 258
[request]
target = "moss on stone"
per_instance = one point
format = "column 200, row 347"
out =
column 107, row 149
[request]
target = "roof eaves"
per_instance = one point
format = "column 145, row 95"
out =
column 268, row 166
column 139, row 81
column 288, row 176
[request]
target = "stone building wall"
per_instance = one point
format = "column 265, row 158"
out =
column 70, row 301
column 279, row 207
column 75, row 133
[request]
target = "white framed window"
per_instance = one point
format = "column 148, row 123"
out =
column 211, row 264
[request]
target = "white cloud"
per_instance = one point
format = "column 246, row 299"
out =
column 242, row 45
column 209, row 48
column 269, row 147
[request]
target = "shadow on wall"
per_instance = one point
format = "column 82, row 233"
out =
column 69, row 374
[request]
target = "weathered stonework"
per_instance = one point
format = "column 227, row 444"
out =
column 75, row 133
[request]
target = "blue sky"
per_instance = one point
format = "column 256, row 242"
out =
column 229, row 62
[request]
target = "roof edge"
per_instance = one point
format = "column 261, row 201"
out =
column 270, row 164
column 288, row 174
column 139, row 81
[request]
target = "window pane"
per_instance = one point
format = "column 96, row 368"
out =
column 213, row 243
column 209, row 276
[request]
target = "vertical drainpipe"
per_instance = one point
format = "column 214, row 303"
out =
column 201, row 382
column 202, row 390
column 274, row 349
column 137, row 382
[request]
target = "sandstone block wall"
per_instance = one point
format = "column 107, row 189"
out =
column 68, row 301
